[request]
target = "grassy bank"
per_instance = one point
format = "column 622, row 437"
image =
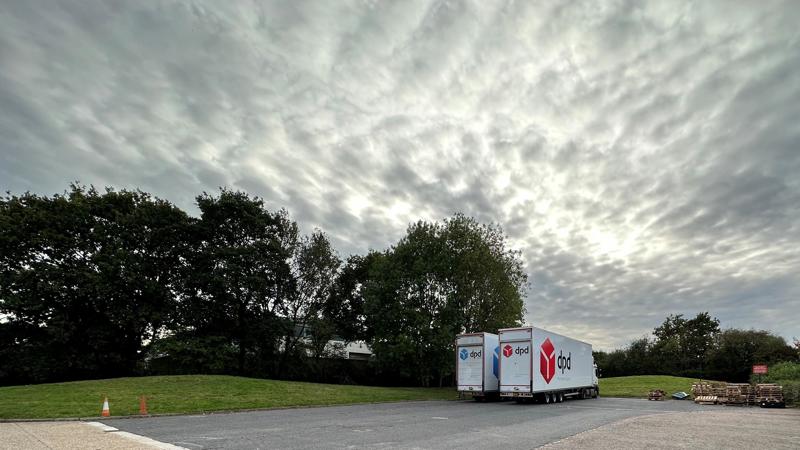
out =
column 190, row 394
column 639, row 386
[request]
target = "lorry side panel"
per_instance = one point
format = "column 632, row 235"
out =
column 560, row 362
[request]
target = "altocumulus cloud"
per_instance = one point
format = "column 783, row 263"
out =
column 644, row 157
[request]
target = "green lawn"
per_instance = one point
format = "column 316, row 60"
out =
column 639, row 386
column 200, row 393
column 190, row 394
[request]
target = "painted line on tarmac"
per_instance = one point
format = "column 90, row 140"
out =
column 101, row 426
column 134, row 437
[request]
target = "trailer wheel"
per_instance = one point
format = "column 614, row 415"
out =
column 560, row 397
column 546, row 398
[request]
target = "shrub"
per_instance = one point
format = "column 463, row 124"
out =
column 787, row 374
column 785, row 371
column 791, row 391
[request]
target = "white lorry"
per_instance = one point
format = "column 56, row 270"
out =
column 477, row 365
column 536, row 364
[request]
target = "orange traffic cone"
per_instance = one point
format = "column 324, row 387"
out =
column 143, row 405
column 106, row 412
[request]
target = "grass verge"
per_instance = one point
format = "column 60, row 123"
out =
column 638, row 386
column 190, row 394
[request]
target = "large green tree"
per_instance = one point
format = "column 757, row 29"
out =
column 441, row 279
column 344, row 308
column 314, row 266
column 238, row 280
column 682, row 345
column 86, row 280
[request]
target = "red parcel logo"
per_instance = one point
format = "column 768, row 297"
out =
column 507, row 351
column 547, row 360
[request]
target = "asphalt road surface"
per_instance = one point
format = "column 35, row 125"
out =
column 442, row 424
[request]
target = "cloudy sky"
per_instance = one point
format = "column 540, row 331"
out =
column 644, row 158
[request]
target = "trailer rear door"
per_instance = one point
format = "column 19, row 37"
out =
column 516, row 360
column 469, row 362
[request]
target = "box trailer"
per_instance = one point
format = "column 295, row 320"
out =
column 537, row 364
column 478, row 365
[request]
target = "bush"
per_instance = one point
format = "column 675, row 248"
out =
column 791, row 391
column 786, row 374
column 785, row 371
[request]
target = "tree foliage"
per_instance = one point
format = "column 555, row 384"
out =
column 238, row 277
column 101, row 284
column 438, row 281
column 697, row 348
column 86, row 279
column 681, row 345
column 118, row 283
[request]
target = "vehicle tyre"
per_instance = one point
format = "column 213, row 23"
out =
column 547, row 398
column 560, row 397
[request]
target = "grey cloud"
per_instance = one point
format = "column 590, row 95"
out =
column 643, row 157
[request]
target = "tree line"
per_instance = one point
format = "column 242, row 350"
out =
column 698, row 348
column 115, row 283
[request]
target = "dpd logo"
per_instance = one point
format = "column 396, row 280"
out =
column 509, row 350
column 463, row 354
column 547, row 360
column 564, row 363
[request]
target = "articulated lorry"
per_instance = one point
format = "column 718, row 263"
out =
column 477, row 365
column 540, row 365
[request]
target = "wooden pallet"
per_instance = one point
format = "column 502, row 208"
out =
column 769, row 395
column 737, row 393
column 701, row 390
column 706, row 400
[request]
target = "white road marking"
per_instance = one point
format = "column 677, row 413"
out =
column 439, row 418
column 101, row 426
column 147, row 441
column 134, row 437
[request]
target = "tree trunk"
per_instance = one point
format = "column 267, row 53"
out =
column 242, row 333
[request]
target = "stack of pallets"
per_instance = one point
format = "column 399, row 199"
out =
column 737, row 393
column 656, row 394
column 720, row 391
column 749, row 392
column 703, row 394
column 770, row 396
